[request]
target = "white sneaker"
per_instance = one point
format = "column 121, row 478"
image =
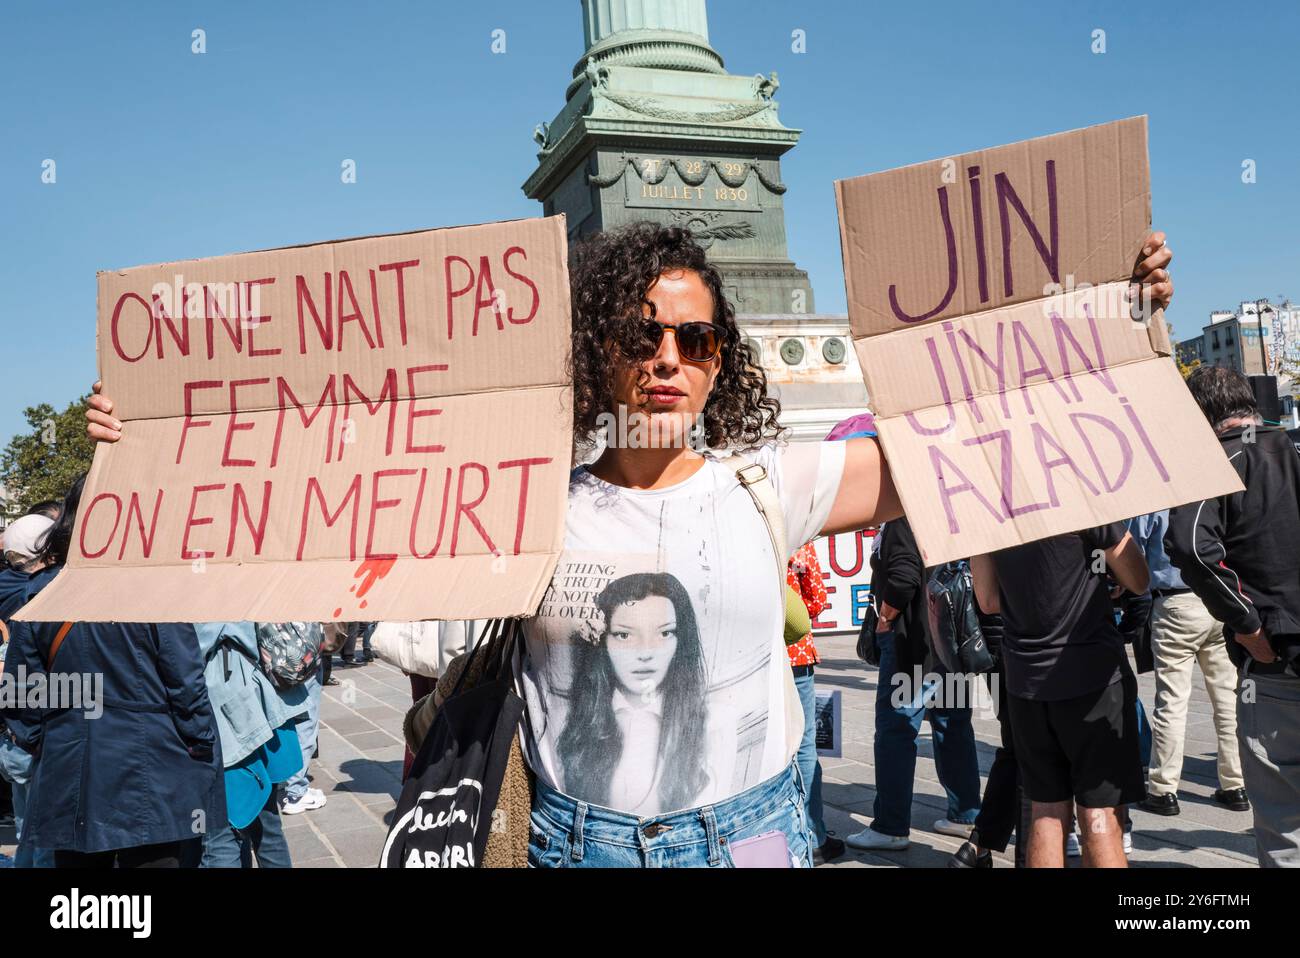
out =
column 871, row 840
column 957, row 829
column 311, row 799
column 1072, row 847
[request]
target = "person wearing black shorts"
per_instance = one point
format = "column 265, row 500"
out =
column 1070, row 690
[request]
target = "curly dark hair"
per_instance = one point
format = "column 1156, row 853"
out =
column 610, row 274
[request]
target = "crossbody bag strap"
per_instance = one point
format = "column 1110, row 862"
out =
column 59, row 636
column 756, row 482
column 759, row 486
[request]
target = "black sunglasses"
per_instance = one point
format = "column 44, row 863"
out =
column 696, row 342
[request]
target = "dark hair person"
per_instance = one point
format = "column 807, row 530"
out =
column 591, row 744
column 141, row 790
column 1223, row 395
column 49, row 508
column 611, row 273
column 655, row 341
column 58, row 541
column 1238, row 554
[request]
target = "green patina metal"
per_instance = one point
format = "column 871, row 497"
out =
column 655, row 128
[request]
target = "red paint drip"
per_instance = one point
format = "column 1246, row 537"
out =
column 337, row 613
column 364, row 603
column 373, row 570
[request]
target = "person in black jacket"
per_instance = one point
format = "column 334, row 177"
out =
column 1240, row 554
column 129, row 770
column 907, row 692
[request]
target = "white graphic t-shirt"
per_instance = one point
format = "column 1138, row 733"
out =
column 655, row 671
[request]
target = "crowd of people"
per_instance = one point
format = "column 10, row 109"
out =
column 188, row 746
column 677, row 725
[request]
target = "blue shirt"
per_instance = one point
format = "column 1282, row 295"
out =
column 1149, row 531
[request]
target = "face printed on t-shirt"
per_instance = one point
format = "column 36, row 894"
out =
column 654, row 671
column 641, row 639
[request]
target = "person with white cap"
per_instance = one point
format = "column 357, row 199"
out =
column 24, row 540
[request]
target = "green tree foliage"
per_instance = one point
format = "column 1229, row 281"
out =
column 43, row 463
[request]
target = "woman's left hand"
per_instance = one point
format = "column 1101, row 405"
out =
column 101, row 425
column 1151, row 271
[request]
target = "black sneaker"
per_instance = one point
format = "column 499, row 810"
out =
column 968, row 857
column 830, row 850
column 1160, row 804
column 1233, row 798
column 368, row 656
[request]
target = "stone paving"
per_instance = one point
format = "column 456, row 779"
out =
column 361, row 751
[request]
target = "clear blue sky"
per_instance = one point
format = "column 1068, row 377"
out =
column 162, row 154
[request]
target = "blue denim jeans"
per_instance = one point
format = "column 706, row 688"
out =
column 567, row 833
column 263, row 837
column 17, row 768
column 895, row 750
column 809, row 767
column 306, row 727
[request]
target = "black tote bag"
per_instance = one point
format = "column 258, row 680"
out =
column 444, row 814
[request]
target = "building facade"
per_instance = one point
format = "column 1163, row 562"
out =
column 1232, row 338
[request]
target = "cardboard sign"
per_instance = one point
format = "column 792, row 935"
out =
column 370, row 429
column 1016, row 397
column 846, row 570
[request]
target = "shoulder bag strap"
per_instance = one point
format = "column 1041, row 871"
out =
column 756, row 482
column 59, row 636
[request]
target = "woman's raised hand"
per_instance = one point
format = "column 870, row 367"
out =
column 100, row 424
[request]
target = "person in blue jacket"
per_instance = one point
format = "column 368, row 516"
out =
column 23, row 542
column 259, row 748
column 130, row 775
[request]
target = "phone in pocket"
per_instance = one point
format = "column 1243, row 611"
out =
column 768, row 850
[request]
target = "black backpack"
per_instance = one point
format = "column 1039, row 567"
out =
column 444, row 814
column 955, row 634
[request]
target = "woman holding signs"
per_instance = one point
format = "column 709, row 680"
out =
column 654, row 333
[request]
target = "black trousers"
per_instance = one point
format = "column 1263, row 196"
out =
column 165, row 855
column 1005, row 808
